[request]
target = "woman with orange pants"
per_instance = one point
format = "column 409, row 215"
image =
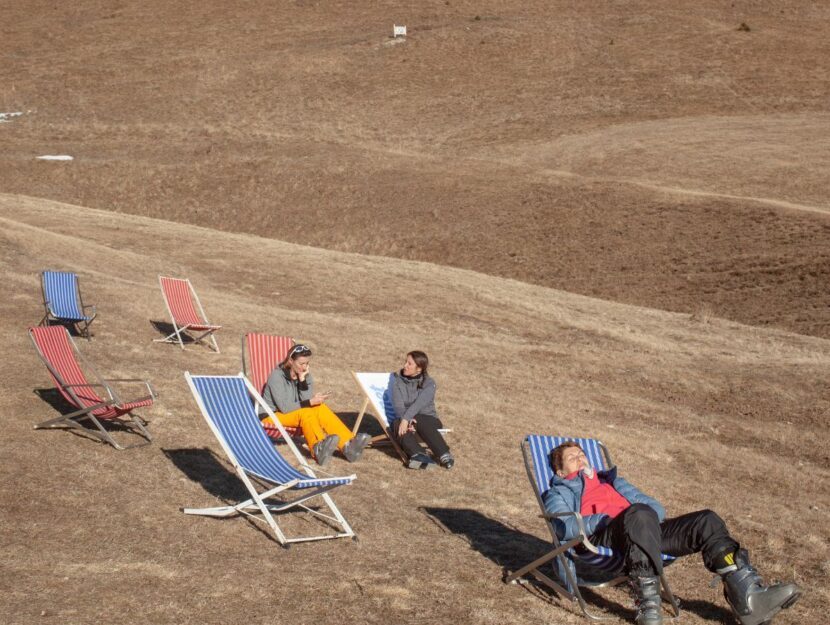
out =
column 289, row 392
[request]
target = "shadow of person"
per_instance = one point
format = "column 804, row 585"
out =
column 511, row 548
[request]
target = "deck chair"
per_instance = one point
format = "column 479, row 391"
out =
column 596, row 566
column 95, row 401
column 376, row 390
column 261, row 353
column 225, row 402
column 63, row 303
column 179, row 296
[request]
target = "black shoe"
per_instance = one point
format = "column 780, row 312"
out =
column 420, row 461
column 354, row 448
column 447, row 461
column 324, row 449
column 647, row 599
column 751, row 601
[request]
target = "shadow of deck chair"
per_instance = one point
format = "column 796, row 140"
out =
column 95, row 401
column 63, row 303
column 376, row 388
column 179, row 297
column 225, row 402
column 261, row 354
column 596, row 566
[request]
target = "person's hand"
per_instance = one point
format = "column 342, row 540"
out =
column 319, row 398
column 403, row 426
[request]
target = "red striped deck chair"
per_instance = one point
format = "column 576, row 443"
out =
column 179, row 297
column 94, row 398
column 261, row 354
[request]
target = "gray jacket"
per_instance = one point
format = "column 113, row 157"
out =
column 409, row 400
column 282, row 394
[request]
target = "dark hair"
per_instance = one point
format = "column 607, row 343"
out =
column 298, row 351
column 557, row 453
column 422, row 362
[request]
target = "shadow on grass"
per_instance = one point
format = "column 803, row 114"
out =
column 202, row 466
column 71, row 326
column 510, row 548
column 165, row 329
column 369, row 425
column 57, row 401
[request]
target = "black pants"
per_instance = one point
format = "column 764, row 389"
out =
column 640, row 537
column 427, row 428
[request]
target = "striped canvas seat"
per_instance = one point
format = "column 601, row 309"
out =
column 93, row 400
column 595, row 565
column 225, row 403
column 186, row 313
column 62, row 300
column 264, row 353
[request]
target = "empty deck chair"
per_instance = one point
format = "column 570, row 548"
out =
column 63, row 303
column 261, row 353
column 225, row 402
column 94, row 398
column 595, row 566
column 179, row 297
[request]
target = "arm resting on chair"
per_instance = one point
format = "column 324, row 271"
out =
column 582, row 536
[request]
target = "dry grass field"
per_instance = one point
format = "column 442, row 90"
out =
column 603, row 219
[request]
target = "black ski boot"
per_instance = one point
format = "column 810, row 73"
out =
column 751, row 601
column 647, row 598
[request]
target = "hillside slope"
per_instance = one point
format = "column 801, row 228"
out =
column 652, row 153
column 699, row 411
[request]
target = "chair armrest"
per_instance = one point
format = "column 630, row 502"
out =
column 583, row 535
column 146, row 383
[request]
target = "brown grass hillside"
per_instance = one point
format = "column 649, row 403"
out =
column 699, row 411
column 650, row 153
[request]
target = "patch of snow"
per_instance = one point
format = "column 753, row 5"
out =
column 56, row 157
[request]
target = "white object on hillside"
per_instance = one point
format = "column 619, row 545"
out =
column 398, row 31
column 56, row 157
column 7, row 117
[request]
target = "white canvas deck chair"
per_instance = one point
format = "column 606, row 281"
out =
column 179, row 297
column 95, row 401
column 596, row 566
column 261, row 353
column 225, row 402
column 376, row 388
column 63, row 303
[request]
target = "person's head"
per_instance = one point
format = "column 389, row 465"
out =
column 297, row 359
column 416, row 363
column 568, row 458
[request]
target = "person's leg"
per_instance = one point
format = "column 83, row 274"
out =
column 295, row 419
column 701, row 532
column 635, row 533
column 752, row 601
column 331, row 423
column 427, row 428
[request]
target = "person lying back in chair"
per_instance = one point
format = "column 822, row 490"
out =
column 619, row 516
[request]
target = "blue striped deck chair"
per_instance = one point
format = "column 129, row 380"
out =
column 596, row 566
column 225, row 402
column 63, row 303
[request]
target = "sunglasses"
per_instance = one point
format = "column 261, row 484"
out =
column 299, row 350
